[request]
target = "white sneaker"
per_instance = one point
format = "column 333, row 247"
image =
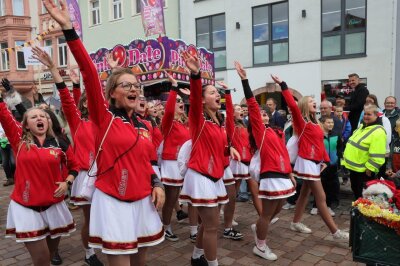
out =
column 234, row 223
column 274, row 220
column 288, row 206
column 265, row 254
column 332, row 213
column 314, row 211
column 340, row 235
column 300, row 227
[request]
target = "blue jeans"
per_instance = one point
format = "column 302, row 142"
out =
column 243, row 194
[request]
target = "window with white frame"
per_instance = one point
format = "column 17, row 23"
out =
column 138, row 8
column 117, row 9
column 2, row 10
column 5, row 65
column 19, row 53
column 48, row 43
column 18, row 7
column 211, row 34
column 62, row 52
column 344, row 24
column 95, row 12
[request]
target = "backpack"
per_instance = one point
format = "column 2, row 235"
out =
column 255, row 162
column 185, row 152
column 293, row 147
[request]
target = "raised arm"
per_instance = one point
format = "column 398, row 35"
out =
column 76, row 86
column 298, row 120
column 12, row 128
column 97, row 105
column 169, row 113
column 230, row 121
column 256, row 123
column 196, row 117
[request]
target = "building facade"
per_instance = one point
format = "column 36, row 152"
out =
column 106, row 23
column 313, row 45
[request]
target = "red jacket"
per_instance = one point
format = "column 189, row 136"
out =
column 311, row 143
column 239, row 136
column 123, row 166
column 152, row 137
column 175, row 133
column 82, row 131
column 273, row 153
column 207, row 155
column 39, row 168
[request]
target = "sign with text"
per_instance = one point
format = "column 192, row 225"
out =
column 149, row 58
column 28, row 56
column 152, row 17
column 75, row 14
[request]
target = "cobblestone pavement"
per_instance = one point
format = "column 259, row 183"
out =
column 291, row 248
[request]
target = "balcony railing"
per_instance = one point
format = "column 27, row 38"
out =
column 14, row 21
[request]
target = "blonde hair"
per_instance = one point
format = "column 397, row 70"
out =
column 27, row 135
column 371, row 107
column 112, row 82
column 305, row 110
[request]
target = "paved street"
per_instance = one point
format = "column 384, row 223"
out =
column 292, row 248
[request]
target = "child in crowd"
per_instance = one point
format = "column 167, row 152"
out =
column 329, row 177
column 346, row 132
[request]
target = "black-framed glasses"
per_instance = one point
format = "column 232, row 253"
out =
column 127, row 86
column 179, row 100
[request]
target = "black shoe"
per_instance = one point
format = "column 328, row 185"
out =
column 93, row 261
column 170, row 236
column 181, row 215
column 232, row 234
column 56, row 260
column 9, row 182
column 239, row 199
column 199, row 262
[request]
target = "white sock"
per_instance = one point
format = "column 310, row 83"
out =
column 168, row 228
column 212, row 262
column 89, row 252
column 193, row 230
column 227, row 229
column 197, row 253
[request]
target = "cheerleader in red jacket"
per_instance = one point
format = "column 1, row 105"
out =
column 82, row 132
column 37, row 210
column 310, row 162
column 276, row 180
column 239, row 137
column 203, row 186
column 124, row 220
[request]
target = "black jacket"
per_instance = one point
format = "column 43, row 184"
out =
column 356, row 104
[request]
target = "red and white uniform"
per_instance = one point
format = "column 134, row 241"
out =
column 311, row 143
column 175, row 134
column 34, row 212
column 124, row 172
column 203, row 184
column 239, row 137
column 228, row 175
column 83, row 134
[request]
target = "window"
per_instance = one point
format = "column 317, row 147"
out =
column 4, row 57
column 343, row 28
column 95, row 12
column 117, row 9
column 211, row 34
column 138, row 5
column 49, row 43
column 20, row 55
column 62, row 52
column 18, row 7
column 271, row 34
column 2, row 7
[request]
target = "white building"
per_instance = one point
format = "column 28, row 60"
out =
column 307, row 42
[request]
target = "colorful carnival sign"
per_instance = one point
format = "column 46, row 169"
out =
column 149, row 58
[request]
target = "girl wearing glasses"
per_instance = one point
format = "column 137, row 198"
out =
column 124, row 219
column 276, row 181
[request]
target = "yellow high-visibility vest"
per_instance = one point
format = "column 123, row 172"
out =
column 365, row 149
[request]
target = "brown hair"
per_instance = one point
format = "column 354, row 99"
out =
column 81, row 106
column 353, row 75
column 112, row 82
column 305, row 111
column 27, row 135
column 373, row 97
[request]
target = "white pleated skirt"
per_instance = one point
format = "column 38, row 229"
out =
column 276, row 188
column 118, row 227
column 307, row 170
column 25, row 224
column 76, row 190
column 240, row 170
column 170, row 174
column 199, row 190
column 228, row 177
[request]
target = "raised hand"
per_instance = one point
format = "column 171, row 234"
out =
column 73, row 76
column 192, row 62
column 61, row 15
column 240, row 70
column 185, row 91
column 222, row 84
column 6, row 84
column 276, row 79
column 110, row 60
column 43, row 57
column 171, row 79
